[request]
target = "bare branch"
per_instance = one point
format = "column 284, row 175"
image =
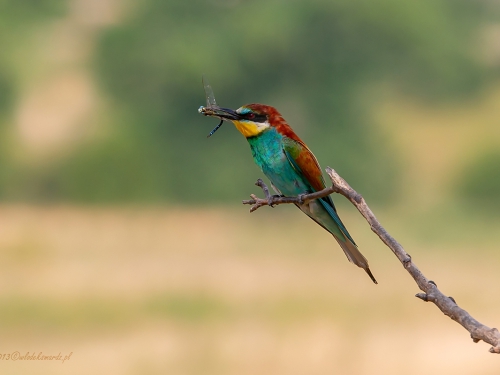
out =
column 274, row 200
column 447, row 305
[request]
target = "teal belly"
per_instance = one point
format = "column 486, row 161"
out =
column 268, row 154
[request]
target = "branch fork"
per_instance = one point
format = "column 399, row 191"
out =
column 431, row 293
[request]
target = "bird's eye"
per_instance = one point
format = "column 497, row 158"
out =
column 251, row 116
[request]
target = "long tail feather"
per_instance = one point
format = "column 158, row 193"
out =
column 354, row 255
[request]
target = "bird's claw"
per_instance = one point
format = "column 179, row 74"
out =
column 270, row 200
column 300, row 199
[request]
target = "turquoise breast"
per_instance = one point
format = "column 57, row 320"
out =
column 268, row 154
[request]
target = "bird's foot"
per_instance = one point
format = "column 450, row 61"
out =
column 300, row 199
column 271, row 198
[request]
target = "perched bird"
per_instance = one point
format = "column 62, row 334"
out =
column 292, row 168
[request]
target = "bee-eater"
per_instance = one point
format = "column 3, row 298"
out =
column 292, row 168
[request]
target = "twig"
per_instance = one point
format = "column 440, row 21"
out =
column 447, row 305
column 274, row 200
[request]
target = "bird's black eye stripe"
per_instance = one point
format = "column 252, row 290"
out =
column 255, row 117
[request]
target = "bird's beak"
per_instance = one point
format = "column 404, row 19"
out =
column 228, row 114
column 222, row 113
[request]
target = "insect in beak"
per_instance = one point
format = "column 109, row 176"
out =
column 216, row 128
column 213, row 110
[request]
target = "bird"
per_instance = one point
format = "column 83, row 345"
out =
column 292, row 168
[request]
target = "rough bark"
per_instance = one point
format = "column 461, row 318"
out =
column 431, row 293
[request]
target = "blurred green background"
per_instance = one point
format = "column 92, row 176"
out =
column 122, row 237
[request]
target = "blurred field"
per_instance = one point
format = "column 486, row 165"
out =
column 219, row 291
column 121, row 237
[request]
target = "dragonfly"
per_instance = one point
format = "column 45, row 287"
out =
column 211, row 109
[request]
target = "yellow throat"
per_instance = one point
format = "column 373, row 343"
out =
column 249, row 128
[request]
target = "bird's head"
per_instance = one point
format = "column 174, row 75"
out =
column 252, row 119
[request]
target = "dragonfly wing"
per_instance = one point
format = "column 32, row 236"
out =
column 209, row 93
